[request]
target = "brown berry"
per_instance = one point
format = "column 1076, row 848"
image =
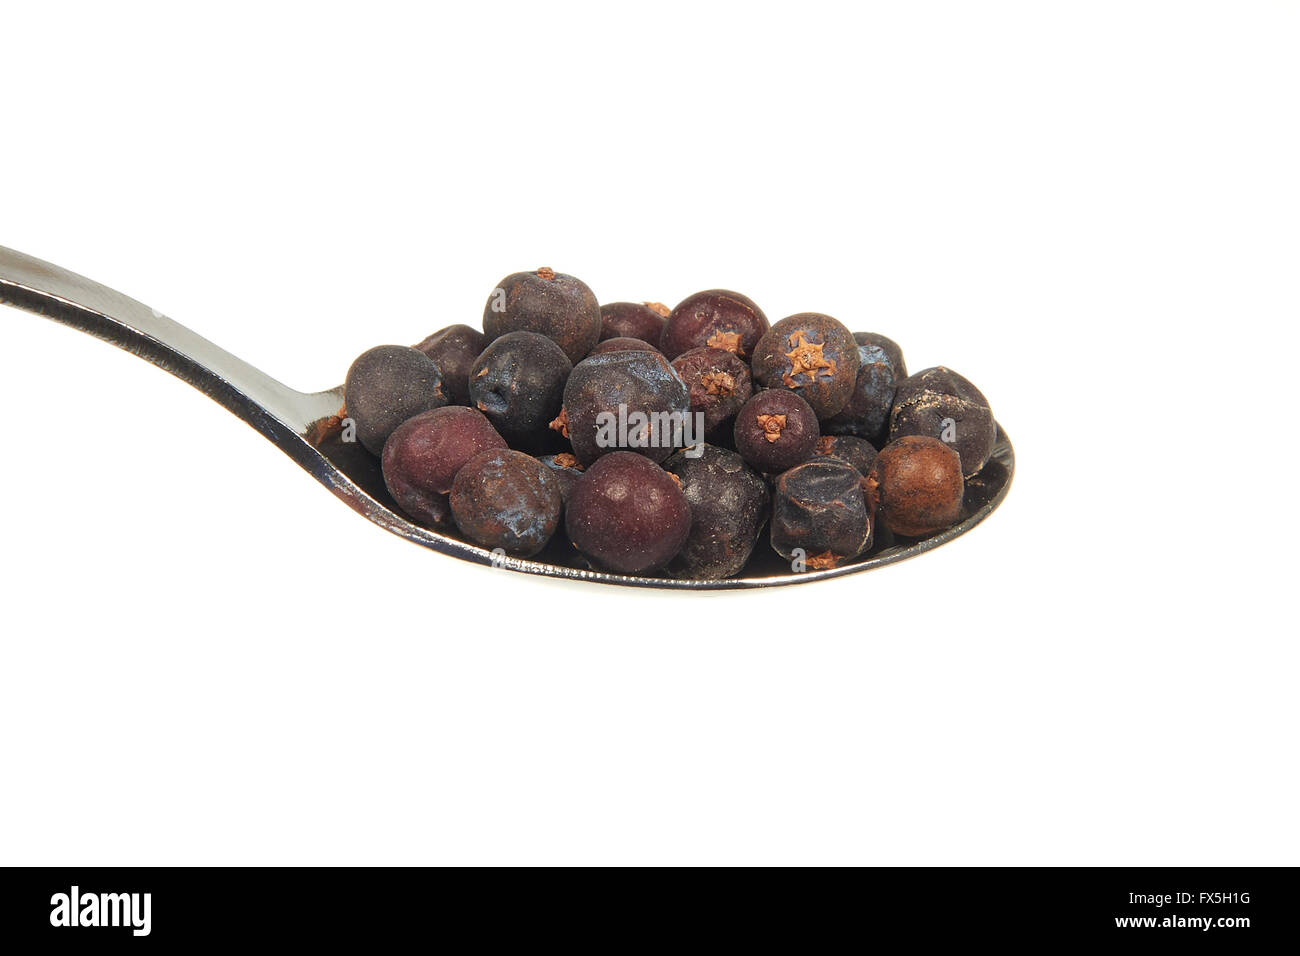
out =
column 916, row 484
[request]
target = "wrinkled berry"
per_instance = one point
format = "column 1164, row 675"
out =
column 811, row 354
column 518, row 383
column 716, row 319
column 867, row 413
column 621, row 345
column 729, row 505
column 454, row 350
column 626, row 399
column 917, row 485
column 776, row 430
column 819, row 509
column 719, row 386
column 422, row 456
column 940, row 403
column 858, row 452
column 633, row 320
column 627, row 514
column 550, row 303
column 508, row 500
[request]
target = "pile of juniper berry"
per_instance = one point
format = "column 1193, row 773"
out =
column 657, row 441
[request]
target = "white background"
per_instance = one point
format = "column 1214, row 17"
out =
column 1089, row 209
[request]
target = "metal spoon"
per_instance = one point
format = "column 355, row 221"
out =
column 295, row 422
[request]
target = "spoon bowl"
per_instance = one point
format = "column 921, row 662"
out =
column 298, row 423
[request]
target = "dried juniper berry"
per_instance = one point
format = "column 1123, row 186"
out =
column 387, row 385
column 858, row 452
column 633, row 320
column 811, row 354
column 916, row 485
column 508, row 500
column 940, row 403
column 567, row 470
column 624, row 400
column 621, row 345
column 776, row 430
column 719, row 385
column 627, row 514
column 867, row 413
column 889, row 352
column 716, row 319
column 454, row 350
column 550, row 303
column 729, row 505
column 820, row 514
column 423, row 455
column 518, row 383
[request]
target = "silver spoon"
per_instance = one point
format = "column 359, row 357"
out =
column 296, row 423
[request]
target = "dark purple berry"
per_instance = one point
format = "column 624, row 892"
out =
column 719, row 386
column 550, row 303
column 627, row 514
column 729, row 505
column 776, row 430
column 940, row 403
column 819, row 509
column 508, row 500
column 422, row 456
column 626, row 399
column 387, row 385
column 811, row 354
column 716, row 319
column 633, row 320
column 890, row 353
column 858, row 452
column 916, row 485
column 867, row 413
column 621, row 345
column 518, row 383
column 454, row 350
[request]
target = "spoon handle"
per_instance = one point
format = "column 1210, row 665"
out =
column 279, row 412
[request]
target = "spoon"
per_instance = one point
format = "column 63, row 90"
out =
column 298, row 424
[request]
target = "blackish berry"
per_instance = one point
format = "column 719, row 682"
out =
column 627, row 514
column 454, row 350
column 820, row 514
column 917, row 485
column 811, row 354
column 858, row 452
column 940, row 403
column 387, row 385
column 633, row 320
column 621, row 345
column 776, row 430
column 422, row 456
column 508, row 500
column 628, row 400
column 729, row 505
column 550, row 303
column 567, row 470
column 867, row 413
column 719, row 386
column 891, row 353
column 716, row 319
column 518, row 383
